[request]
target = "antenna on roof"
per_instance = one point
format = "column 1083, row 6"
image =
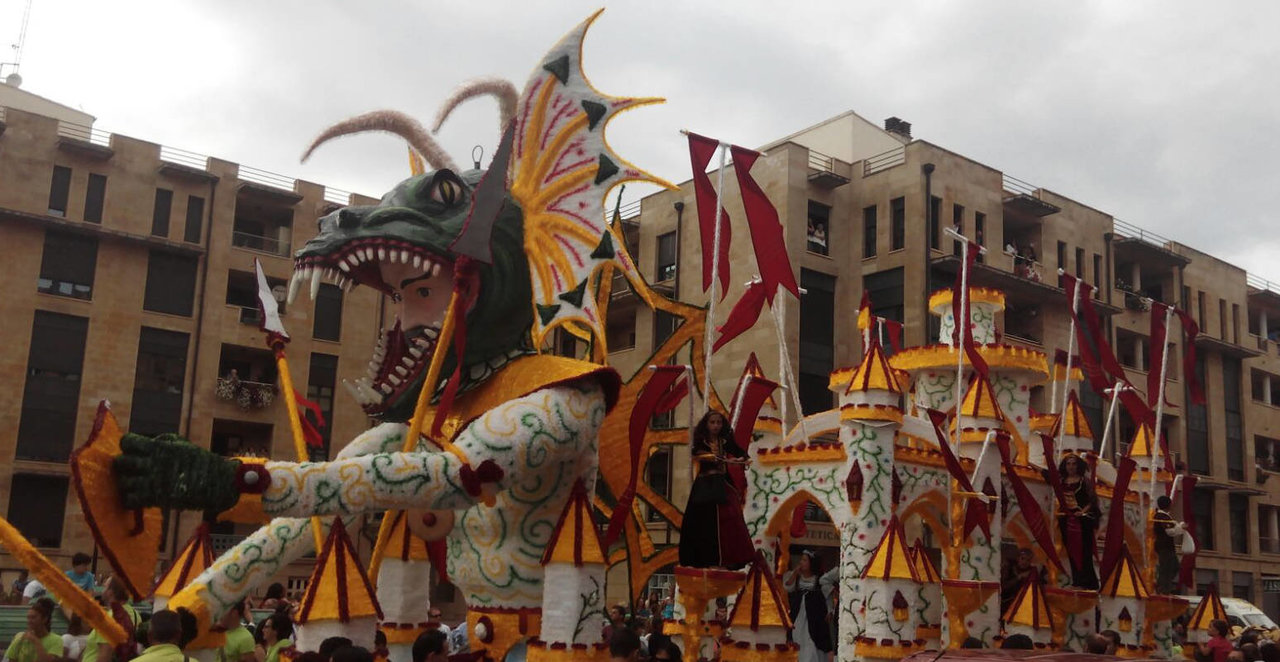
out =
column 14, row 79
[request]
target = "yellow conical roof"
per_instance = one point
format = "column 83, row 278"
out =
column 1124, row 581
column 1141, row 445
column 575, row 539
column 873, row 373
column 1030, row 607
column 891, row 560
column 402, row 543
column 925, row 569
column 761, row 601
column 1209, row 609
column 1074, row 417
column 980, row 401
column 195, row 557
column 339, row 589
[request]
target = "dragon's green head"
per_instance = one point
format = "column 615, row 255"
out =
column 401, row 247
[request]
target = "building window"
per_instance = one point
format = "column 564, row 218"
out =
column 935, row 222
column 67, row 265
column 50, row 399
column 1205, row 579
column 1238, row 520
column 979, row 231
column 620, row 332
column 94, row 196
column 897, row 224
column 1242, row 585
column 321, row 380
column 664, row 324
column 1232, row 415
column 818, row 233
column 869, row 231
column 1235, row 323
column 262, row 224
column 1079, row 263
column 1202, row 504
column 328, row 321
column 1222, row 319
column 957, row 224
column 195, row 218
column 160, row 214
column 666, row 257
column 158, row 382
column 1198, row 426
column 171, row 283
column 817, row 340
column 37, row 506
column 1201, row 321
column 658, row 476
column 1062, row 256
column 242, row 291
column 59, row 191
column 1097, row 276
column 886, row 291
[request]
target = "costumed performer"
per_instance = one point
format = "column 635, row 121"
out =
column 809, row 592
column 1079, row 521
column 713, row 534
column 1167, row 532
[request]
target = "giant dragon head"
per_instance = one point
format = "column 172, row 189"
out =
column 550, row 243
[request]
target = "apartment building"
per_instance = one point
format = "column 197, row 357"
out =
column 129, row 277
column 864, row 209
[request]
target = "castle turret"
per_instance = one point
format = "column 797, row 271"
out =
column 873, row 392
column 1029, row 613
column 930, row 612
column 339, row 600
column 1210, row 609
column 574, row 564
column 759, row 624
column 1120, row 604
column 405, row 562
column 890, row 597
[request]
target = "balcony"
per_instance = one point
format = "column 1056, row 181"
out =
column 1016, row 288
column 247, row 377
column 1025, row 199
column 263, row 220
column 822, row 171
column 260, row 243
column 246, row 394
column 1150, row 251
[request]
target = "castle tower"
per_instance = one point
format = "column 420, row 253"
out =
column 980, row 415
column 873, row 392
column 339, row 600
column 1140, row 450
column 890, row 599
column 1073, row 424
column 574, row 564
column 1029, row 613
column 930, row 612
column 759, row 622
column 1121, row 601
column 405, row 562
column 1210, row 609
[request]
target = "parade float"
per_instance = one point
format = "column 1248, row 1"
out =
column 494, row 458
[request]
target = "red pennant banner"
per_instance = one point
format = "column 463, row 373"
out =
column 1156, row 353
column 754, row 392
column 310, row 432
column 1115, row 515
column 766, row 230
column 973, row 517
column 743, row 316
column 1031, row 511
column 701, row 149
column 1190, row 330
column 962, row 333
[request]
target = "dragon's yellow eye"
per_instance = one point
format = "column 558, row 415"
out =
column 445, row 189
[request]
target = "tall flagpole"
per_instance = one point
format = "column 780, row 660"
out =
column 960, row 331
column 1066, row 389
column 788, row 374
column 715, row 274
column 780, row 317
column 1155, row 433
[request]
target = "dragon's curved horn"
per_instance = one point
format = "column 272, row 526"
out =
column 391, row 121
column 503, row 89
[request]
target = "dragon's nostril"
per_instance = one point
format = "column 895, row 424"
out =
column 348, row 219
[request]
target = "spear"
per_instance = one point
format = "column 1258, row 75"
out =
column 277, row 338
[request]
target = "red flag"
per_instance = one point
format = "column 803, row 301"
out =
column 310, row 432
column 1115, row 515
column 962, row 333
column 672, row 398
column 1159, row 336
column 798, row 526
column 894, row 331
column 1190, row 329
column 766, row 231
column 743, row 316
column 1187, row 573
column 650, row 396
column 1027, row 503
column 1102, row 368
column 751, row 396
column 701, row 149
column 973, row 517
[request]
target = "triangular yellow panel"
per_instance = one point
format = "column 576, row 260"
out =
column 1124, row 581
column 575, row 539
column 1074, row 417
column 195, row 557
column 761, row 601
column 339, row 589
column 980, row 401
column 925, row 569
column 874, row 373
column 891, row 560
column 1030, row 608
column 1209, row 609
column 403, row 544
column 1141, row 446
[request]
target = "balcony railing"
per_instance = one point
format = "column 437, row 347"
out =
column 1131, row 231
column 86, row 133
column 223, row 542
column 246, row 394
column 883, row 161
column 255, row 242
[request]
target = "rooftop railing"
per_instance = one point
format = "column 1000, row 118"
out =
column 1018, row 187
column 1131, row 231
column 1257, row 282
column 884, row 160
column 184, row 157
column 85, row 133
column 821, row 162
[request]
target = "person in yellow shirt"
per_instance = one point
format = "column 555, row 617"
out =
column 97, row 649
column 276, row 630
column 240, row 644
column 166, row 638
column 36, row 643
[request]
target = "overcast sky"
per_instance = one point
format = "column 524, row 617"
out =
column 1165, row 114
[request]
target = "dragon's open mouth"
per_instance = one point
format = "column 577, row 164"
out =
column 402, row 355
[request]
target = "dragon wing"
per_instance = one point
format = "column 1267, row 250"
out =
column 561, row 170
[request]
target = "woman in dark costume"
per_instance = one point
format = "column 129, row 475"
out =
column 714, row 534
column 1078, row 522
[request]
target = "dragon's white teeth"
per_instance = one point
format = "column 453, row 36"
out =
column 435, row 269
column 363, row 253
column 355, row 392
column 294, row 284
column 402, row 371
column 426, row 264
column 386, row 389
column 408, row 362
column 354, row 259
column 382, row 254
column 431, row 332
column 366, row 387
column 404, row 256
column 316, row 274
column 393, row 379
column 346, row 268
column 416, row 352
column 417, row 262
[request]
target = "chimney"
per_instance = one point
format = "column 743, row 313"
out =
column 898, row 126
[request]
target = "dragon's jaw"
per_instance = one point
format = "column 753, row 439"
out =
column 399, row 363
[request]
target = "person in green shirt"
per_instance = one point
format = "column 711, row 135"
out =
column 97, row 649
column 276, row 630
column 240, row 644
column 166, row 638
column 36, row 643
